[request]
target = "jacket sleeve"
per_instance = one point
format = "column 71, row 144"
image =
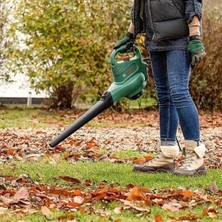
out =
column 193, row 8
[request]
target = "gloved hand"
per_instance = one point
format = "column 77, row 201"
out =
column 128, row 40
column 196, row 50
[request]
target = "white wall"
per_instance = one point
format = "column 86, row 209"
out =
column 19, row 88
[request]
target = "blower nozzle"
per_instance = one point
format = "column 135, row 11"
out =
column 104, row 103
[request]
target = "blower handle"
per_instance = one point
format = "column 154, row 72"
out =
column 120, row 49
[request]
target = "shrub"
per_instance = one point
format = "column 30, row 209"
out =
column 68, row 43
column 206, row 79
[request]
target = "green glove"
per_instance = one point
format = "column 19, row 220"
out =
column 128, row 40
column 196, row 50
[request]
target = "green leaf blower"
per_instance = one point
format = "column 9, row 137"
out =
column 130, row 79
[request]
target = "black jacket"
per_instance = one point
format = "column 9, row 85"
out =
column 165, row 19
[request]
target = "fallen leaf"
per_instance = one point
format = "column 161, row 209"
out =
column 210, row 212
column 135, row 194
column 70, row 179
column 158, row 218
column 172, row 206
column 21, row 196
column 67, row 217
column 118, row 210
column 187, row 193
column 2, row 210
column 46, row 211
column 139, row 160
column 78, row 199
column 139, row 209
column 10, row 151
column 213, row 187
column 73, row 204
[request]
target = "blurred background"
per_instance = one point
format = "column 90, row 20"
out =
column 56, row 53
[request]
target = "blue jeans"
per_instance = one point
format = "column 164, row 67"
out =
column 171, row 70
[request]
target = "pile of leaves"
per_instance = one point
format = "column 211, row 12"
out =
column 90, row 143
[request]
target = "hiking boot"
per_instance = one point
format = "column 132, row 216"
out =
column 162, row 163
column 194, row 161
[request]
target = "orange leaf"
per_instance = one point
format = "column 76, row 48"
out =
column 205, row 212
column 139, row 160
column 72, row 204
column 48, row 203
column 148, row 158
column 158, row 218
column 135, row 194
column 39, row 132
column 187, row 194
column 67, row 217
column 10, row 151
column 68, row 155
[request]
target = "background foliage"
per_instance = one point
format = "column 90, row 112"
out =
column 64, row 47
column 67, row 44
column 5, row 11
column 206, row 79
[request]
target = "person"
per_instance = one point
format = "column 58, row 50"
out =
column 173, row 39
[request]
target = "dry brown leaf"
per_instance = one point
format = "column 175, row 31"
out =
column 46, row 211
column 132, row 206
column 73, row 204
column 188, row 218
column 2, row 210
column 67, row 217
column 118, row 210
column 210, row 212
column 78, row 199
column 22, row 195
column 172, row 206
column 70, row 179
column 213, row 187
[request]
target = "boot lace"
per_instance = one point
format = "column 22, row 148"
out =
column 190, row 158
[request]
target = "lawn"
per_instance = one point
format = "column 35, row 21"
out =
column 89, row 177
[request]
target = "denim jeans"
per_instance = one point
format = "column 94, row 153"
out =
column 171, row 71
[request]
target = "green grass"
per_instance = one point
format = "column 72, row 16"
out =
column 23, row 117
column 27, row 117
column 104, row 170
column 44, row 172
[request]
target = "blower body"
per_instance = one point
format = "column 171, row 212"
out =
column 130, row 78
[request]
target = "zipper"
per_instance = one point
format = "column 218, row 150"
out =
column 151, row 21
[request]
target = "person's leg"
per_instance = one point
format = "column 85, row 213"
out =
column 163, row 162
column 178, row 75
column 167, row 110
column 178, row 69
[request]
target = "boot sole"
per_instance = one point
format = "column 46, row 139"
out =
column 154, row 171
column 197, row 173
column 201, row 172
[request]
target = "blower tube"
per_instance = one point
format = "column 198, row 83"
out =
column 104, row 103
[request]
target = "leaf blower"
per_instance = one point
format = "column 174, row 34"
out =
column 130, row 78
